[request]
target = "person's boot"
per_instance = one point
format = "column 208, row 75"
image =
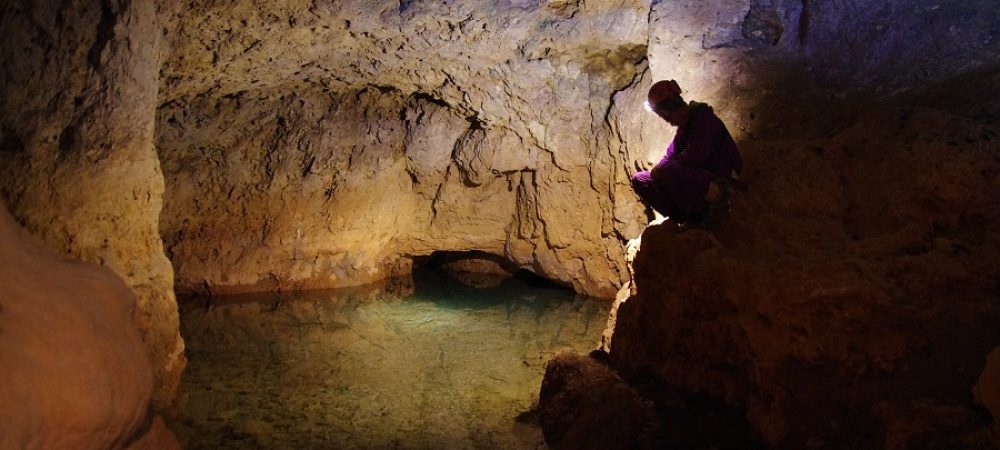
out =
column 719, row 199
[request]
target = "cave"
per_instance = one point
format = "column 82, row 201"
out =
column 210, row 167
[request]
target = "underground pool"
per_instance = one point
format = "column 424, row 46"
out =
column 427, row 362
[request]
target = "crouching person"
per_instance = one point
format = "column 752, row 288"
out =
column 693, row 183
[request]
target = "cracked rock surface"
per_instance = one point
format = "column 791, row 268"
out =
column 327, row 143
column 78, row 166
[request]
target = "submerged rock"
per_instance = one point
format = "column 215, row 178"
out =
column 370, row 367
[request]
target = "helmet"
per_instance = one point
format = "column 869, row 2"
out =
column 664, row 95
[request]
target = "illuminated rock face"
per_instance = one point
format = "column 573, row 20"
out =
column 328, row 143
column 77, row 163
column 76, row 373
column 322, row 143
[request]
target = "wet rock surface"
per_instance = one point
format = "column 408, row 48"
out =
column 584, row 405
column 435, row 365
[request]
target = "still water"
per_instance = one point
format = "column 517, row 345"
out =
column 426, row 363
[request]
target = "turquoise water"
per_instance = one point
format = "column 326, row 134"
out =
column 408, row 364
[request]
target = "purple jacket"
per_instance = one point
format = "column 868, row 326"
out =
column 704, row 143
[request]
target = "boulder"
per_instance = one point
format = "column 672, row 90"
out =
column 987, row 390
column 76, row 372
column 585, row 405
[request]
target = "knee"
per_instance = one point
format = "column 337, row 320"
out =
column 671, row 176
column 668, row 171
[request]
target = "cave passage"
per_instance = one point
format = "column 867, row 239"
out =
column 427, row 362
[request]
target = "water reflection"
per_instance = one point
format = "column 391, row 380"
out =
column 422, row 363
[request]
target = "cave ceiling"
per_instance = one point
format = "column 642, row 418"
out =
column 443, row 49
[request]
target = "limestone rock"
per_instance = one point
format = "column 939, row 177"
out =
column 476, row 269
column 837, row 284
column 159, row 437
column 530, row 107
column 987, row 390
column 76, row 374
column 77, row 162
column 584, row 405
column 327, row 143
column 766, row 65
column 319, row 143
column 255, row 200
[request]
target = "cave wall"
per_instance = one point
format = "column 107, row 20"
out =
column 291, row 206
column 850, row 300
column 540, row 96
column 78, row 168
column 796, row 68
column 321, row 144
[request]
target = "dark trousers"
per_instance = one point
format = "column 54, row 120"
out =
column 677, row 192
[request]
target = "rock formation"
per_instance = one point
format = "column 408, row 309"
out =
column 580, row 395
column 77, row 163
column 987, row 390
column 783, row 68
column 475, row 269
column 76, row 374
column 329, row 143
column 851, row 298
column 320, row 143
